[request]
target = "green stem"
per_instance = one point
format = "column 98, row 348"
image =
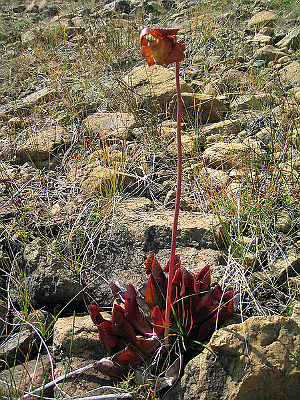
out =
column 177, row 206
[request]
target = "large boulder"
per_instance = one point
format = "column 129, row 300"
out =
column 257, row 359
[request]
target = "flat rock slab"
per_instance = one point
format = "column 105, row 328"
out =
column 43, row 145
column 139, row 230
column 76, row 344
column 25, row 102
column 268, row 53
column 16, row 380
column 155, row 84
column 291, row 73
column 257, row 359
column 262, row 18
column 105, row 124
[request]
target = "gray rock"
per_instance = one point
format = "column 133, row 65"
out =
column 257, row 359
column 139, row 231
column 283, row 221
column 49, row 280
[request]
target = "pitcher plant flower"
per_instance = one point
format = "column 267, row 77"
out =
column 182, row 304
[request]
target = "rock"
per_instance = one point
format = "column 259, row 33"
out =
column 226, row 127
column 268, row 53
column 262, row 18
column 291, row 73
column 288, row 265
column 213, row 179
column 43, row 145
column 257, row 359
column 18, row 346
column 76, row 344
column 201, row 107
column 291, row 40
column 49, row 280
column 25, row 102
column 27, row 36
column 105, row 181
column 262, row 39
column 257, row 101
column 83, row 334
column 138, row 230
column 154, row 85
column 283, row 221
column 8, row 208
column 225, row 155
column 16, row 381
column 109, row 125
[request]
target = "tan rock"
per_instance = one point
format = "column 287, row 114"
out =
column 156, row 84
column 257, row 359
column 225, row 155
column 262, row 18
column 28, row 101
column 268, row 53
column 291, row 73
column 226, row 127
column 262, row 39
column 291, row 40
column 105, row 125
column 16, row 380
column 201, row 107
column 41, row 146
column 213, row 179
column 256, row 101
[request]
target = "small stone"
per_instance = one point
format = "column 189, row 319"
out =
column 283, row 221
column 291, row 40
column 291, row 73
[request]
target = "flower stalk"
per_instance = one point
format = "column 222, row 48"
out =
column 177, row 206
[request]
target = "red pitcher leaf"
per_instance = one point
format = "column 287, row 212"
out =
column 177, row 263
column 120, row 326
column 157, row 284
column 147, row 345
column 187, row 283
column 107, row 337
column 159, row 45
column 203, row 279
column 95, row 313
column 158, row 321
column 158, row 274
column 108, row 367
column 133, row 313
column 129, row 357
